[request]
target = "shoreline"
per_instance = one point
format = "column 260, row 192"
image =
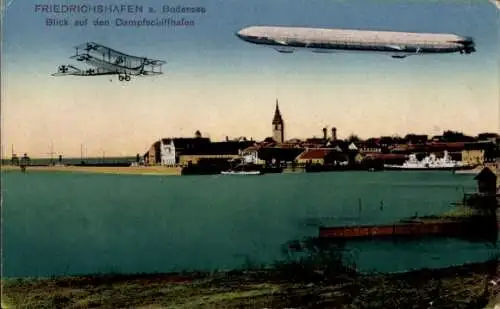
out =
column 117, row 170
column 452, row 287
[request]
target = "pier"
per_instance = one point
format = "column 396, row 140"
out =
column 477, row 219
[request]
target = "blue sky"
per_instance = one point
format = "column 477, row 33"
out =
column 226, row 87
column 211, row 43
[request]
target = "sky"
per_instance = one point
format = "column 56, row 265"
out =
column 223, row 86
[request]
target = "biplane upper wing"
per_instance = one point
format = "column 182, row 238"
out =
column 110, row 53
column 96, row 48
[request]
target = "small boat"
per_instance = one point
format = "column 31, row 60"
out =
column 243, row 169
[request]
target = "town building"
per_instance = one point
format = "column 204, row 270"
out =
column 215, row 151
column 167, row 151
column 313, row 156
column 369, row 146
column 181, row 151
column 479, row 153
column 322, row 156
column 278, row 156
column 152, row 156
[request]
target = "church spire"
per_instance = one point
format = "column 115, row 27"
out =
column 277, row 115
column 278, row 125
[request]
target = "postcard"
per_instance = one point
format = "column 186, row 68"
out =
column 250, row 154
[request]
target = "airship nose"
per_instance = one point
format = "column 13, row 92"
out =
column 241, row 34
column 245, row 33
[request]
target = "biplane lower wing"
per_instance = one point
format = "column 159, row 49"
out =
column 147, row 67
column 72, row 70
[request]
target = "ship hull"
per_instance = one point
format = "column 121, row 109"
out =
column 441, row 168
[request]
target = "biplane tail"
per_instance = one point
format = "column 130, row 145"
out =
column 153, row 62
column 151, row 67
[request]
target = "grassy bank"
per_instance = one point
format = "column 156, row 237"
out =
column 454, row 287
column 120, row 170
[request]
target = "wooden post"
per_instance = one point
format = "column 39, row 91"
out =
column 359, row 207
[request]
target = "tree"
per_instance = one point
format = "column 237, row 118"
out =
column 397, row 139
column 455, row 136
column 353, row 138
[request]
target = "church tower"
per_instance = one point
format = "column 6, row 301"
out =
column 278, row 125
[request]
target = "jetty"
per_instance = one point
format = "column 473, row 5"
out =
column 474, row 217
column 417, row 227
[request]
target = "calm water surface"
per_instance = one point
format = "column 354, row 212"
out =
column 62, row 223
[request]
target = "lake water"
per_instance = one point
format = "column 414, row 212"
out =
column 63, row 223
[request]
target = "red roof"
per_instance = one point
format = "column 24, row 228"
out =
column 314, row 154
column 447, row 145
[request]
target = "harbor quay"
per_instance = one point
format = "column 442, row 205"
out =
column 121, row 170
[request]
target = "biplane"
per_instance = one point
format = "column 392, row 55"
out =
column 107, row 61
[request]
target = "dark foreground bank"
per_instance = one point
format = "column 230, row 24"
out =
column 466, row 286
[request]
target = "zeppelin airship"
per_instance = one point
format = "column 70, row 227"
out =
column 320, row 40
